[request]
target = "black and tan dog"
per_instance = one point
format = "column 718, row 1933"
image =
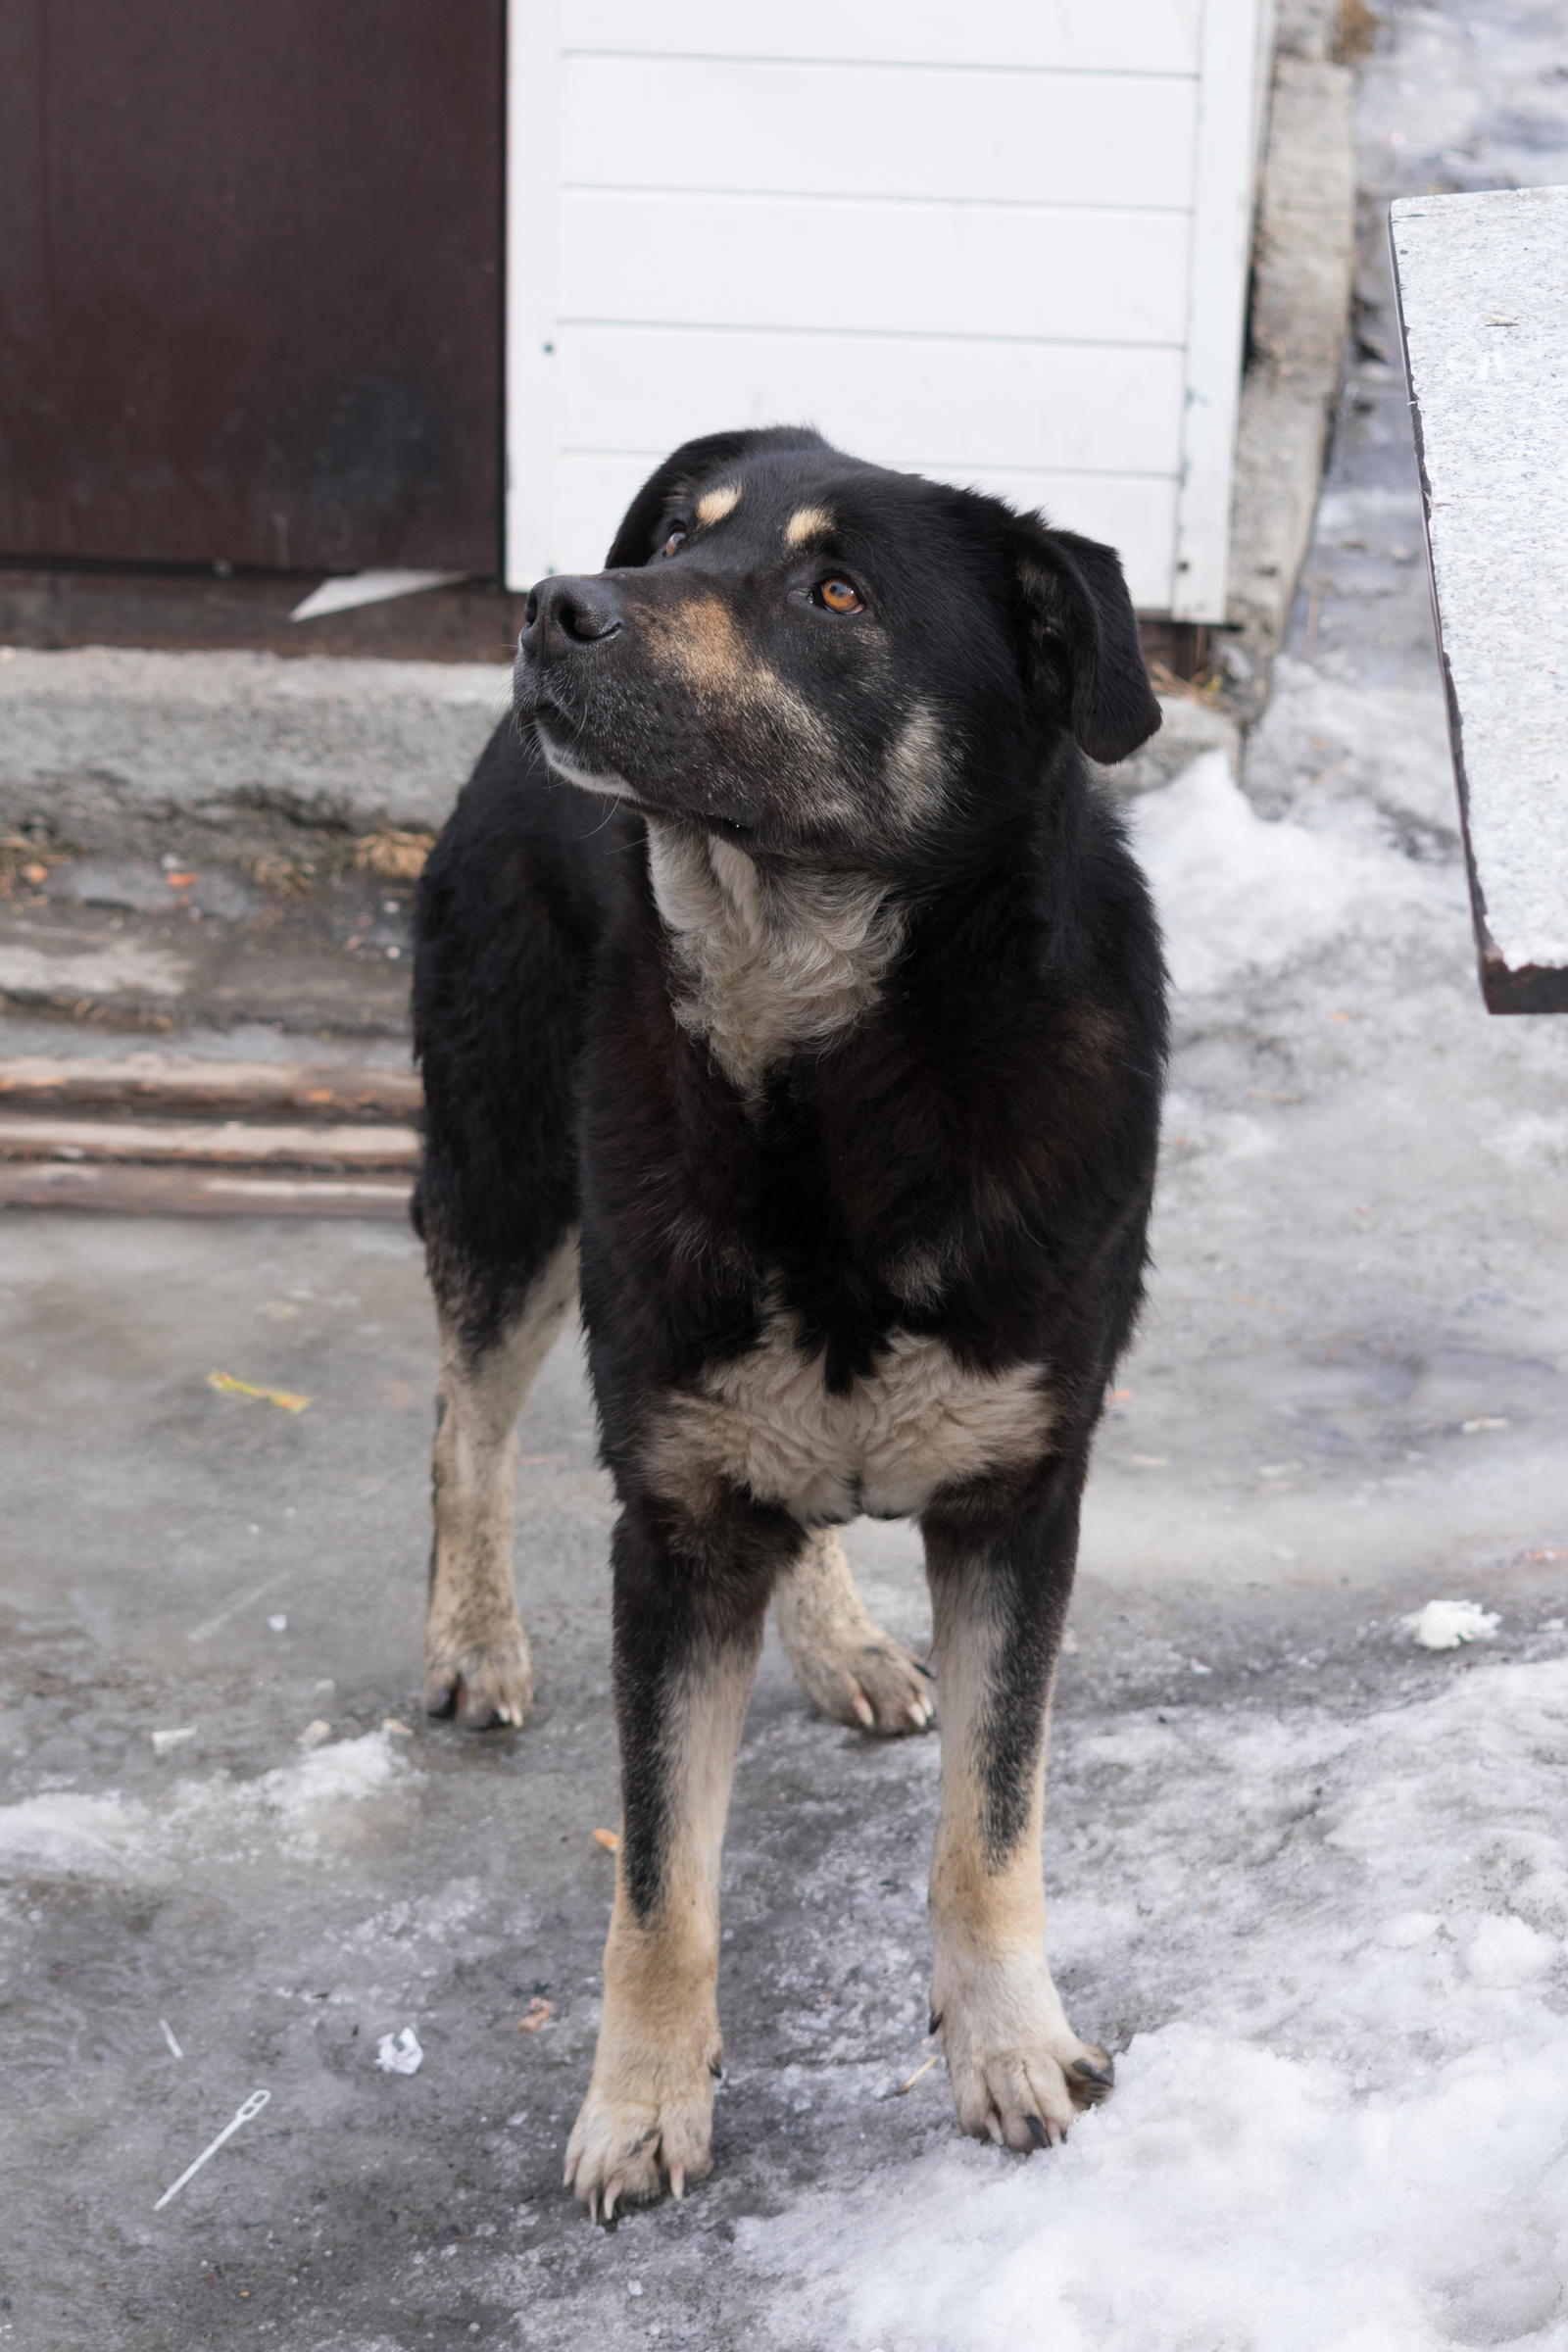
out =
column 784, row 962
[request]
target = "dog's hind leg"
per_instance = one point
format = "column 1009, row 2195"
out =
column 509, row 918
column 476, row 1661
column 506, row 938
column 846, row 1664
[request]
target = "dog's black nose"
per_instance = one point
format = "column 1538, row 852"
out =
column 563, row 615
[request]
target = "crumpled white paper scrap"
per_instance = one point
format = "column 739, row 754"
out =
column 400, row 2054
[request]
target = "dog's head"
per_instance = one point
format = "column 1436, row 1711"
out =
column 818, row 657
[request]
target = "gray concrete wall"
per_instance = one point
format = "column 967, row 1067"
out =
column 1303, row 259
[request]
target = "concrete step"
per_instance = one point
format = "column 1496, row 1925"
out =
column 237, row 756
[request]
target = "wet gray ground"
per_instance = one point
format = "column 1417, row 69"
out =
column 141, row 950
column 1348, row 1397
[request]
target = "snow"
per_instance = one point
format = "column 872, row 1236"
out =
column 1445, row 1624
column 1238, row 894
column 1349, row 2135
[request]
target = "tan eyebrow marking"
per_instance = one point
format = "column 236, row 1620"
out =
column 715, row 504
column 807, row 523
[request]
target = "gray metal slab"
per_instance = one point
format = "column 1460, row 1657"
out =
column 1482, row 289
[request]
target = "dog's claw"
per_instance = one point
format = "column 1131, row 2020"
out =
column 610, row 2195
column 487, row 1686
column 846, row 1665
column 1037, row 2131
column 677, row 2182
column 1092, row 2074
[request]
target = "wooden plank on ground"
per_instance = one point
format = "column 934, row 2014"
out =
column 240, row 1142
column 180, row 1190
column 1482, row 287
column 170, row 1083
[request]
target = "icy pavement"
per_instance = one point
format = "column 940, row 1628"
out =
column 1307, row 1876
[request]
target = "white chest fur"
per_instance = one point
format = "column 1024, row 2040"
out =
column 767, row 964
column 765, row 1422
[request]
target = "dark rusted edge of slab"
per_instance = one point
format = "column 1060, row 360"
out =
column 1534, row 988
column 176, row 1191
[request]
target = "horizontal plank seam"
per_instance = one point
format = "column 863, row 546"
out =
column 867, row 334
column 1074, row 473
column 887, row 65
column 971, row 203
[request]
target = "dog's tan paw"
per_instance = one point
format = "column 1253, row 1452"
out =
column 873, row 1686
column 482, row 1684
column 1018, row 2080
column 846, row 1664
column 626, row 2151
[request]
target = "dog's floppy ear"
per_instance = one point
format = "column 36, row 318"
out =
column 692, row 464
column 1080, row 640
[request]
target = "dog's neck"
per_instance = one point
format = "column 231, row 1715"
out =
column 767, row 964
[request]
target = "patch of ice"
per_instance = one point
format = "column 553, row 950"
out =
column 1190, row 1125
column 1532, row 1141
column 62, row 1836
column 304, row 1798
column 1445, row 1623
column 341, row 1774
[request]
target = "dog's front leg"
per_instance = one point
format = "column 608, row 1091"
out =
column 999, row 1586
column 689, row 1607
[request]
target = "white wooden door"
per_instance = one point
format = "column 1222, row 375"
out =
column 1003, row 245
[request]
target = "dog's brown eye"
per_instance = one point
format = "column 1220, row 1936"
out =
column 676, row 539
column 840, row 597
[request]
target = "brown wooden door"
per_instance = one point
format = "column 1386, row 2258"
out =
column 250, row 283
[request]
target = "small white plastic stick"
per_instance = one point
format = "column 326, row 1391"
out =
column 916, row 2077
column 169, row 2036
column 253, row 2106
